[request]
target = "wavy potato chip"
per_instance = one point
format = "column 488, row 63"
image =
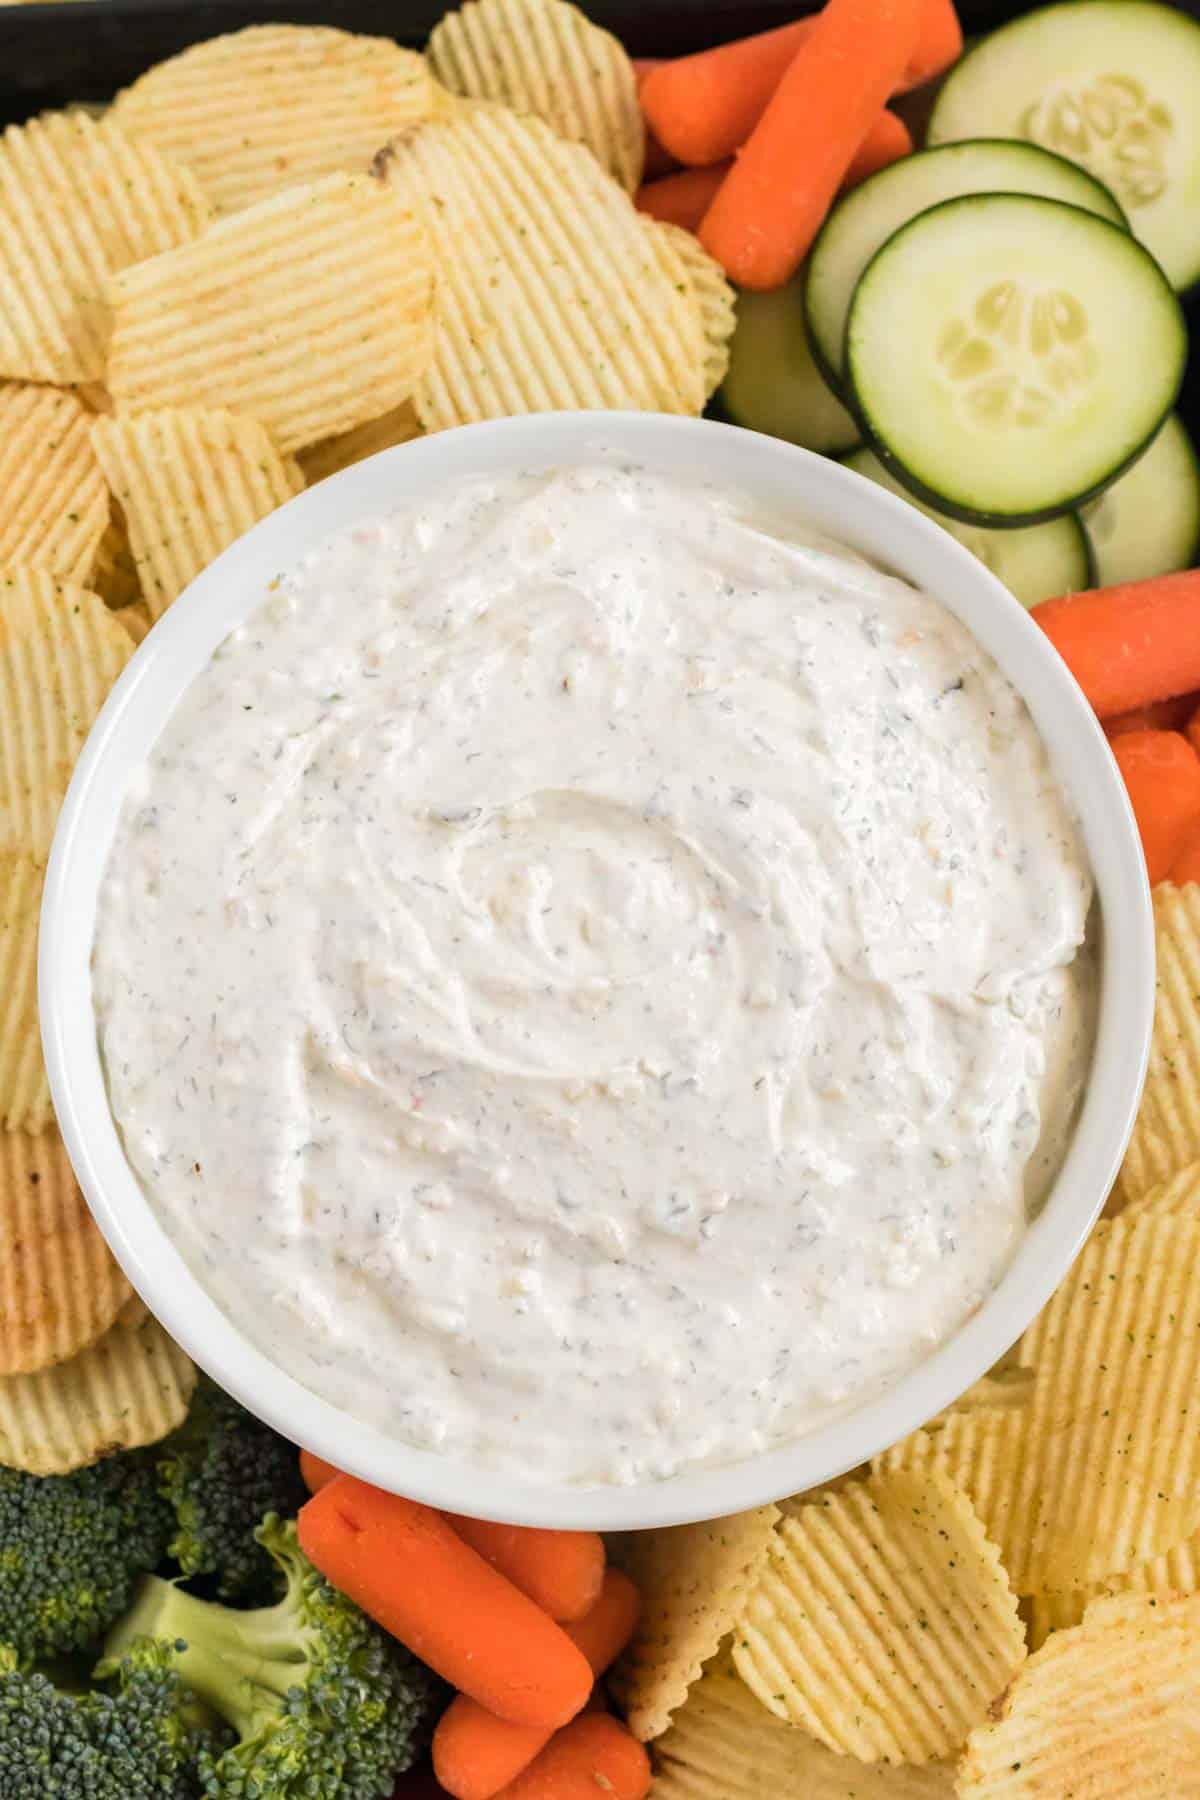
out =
column 188, row 483
column 983, row 1451
column 546, row 58
column 714, row 296
column 1179, row 1194
column 883, row 1623
column 1166, row 1135
column 312, row 312
column 60, row 1288
column 1113, row 1432
column 60, row 652
column 136, row 619
column 724, row 1745
column 79, row 200
column 693, row 1580
column 53, row 501
column 1176, row 1571
column 273, row 106
column 1106, row 1710
column 130, row 1387
column 24, row 1090
column 552, row 294
column 399, row 426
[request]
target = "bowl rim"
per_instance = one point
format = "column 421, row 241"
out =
column 855, row 512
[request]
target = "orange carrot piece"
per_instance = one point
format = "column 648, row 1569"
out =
column 658, row 160
column 939, row 43
column 1132, row 644
column 475, row 1754
column 315, row 1472
column 887, row 141
column 682, row 198
column 1162, row 776
column 593, row 1755
column 607, row 1627
column 1186, row 866
column 770, row 206
column 1163, row 715
column 563, row 1571
column 702, row 108
column 406, row 1566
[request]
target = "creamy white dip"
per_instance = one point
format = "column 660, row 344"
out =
column 590, row 977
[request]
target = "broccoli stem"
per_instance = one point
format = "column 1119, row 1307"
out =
column 232, row 1660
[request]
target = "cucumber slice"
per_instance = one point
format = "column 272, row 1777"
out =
column 1114, row 85
column 870, row 213
column 1148, row 523
column 1034, row 563
column 773, row 385
column 1009, row 357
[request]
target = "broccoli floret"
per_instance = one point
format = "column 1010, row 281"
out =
column 140, row 1738
column 222, row 1473
column 72, row 1548
column 323, row 1705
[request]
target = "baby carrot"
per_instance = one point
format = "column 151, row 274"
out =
column 315, row 1472
column 702, row 108
column 658, row 161
column 407, row 1567
column 593, row 1755
column 682, row 198
column 1162, row 715
column 1162, row 776
column 887, row 141
column 771, row 204
column 476, row 1754
column 939, row 43
column 563, row 1571
column 1132, row 644
column 1186, row 866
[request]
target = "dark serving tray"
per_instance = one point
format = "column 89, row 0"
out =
column 52, row 54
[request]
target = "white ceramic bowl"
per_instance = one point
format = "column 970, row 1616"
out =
column 808, row 487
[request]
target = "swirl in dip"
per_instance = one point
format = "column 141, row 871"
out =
column 592, row 979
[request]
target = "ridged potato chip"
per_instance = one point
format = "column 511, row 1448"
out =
column 693, row 1580
column 724, row 1745
column 24, row 1090
column 714, row 296
column 53, row 501
column 60, row 1288
column 136, row 619
column 883, row 1623
column 188, row 483
column 984, row 1452
column 1108, row 1710
column 311, row 312
column 1179, row 1194
column 1176, row 1571
column 1112, row 1455
column 129, row 1388
column 552, row 295
column 399, row 426
column 79, row 200
column 114, row 575
column 60, row 652
column 1166, row 1136
column 546, row 58
column 256, row 111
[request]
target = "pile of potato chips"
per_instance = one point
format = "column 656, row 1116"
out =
column 1006, row 1605
column 275, row 254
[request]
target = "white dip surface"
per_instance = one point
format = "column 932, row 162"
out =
column 591, row 984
